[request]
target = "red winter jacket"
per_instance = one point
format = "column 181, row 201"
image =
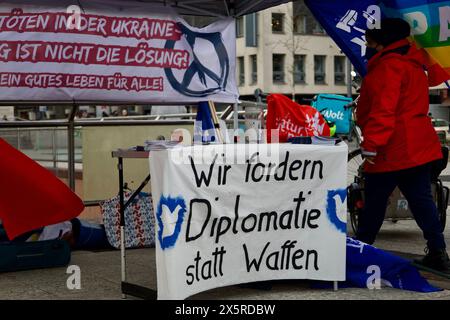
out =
column 393, row 111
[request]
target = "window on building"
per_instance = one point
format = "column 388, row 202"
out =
column 278, row 68
column 241, row 71
column 251, row 30
column 277, row 22
column 254, row 65
column 319, row 69
column 305, row 22
column 339, row 70
column 240, row 27
column 300, row 24
column 299, row 69
column 318, row 29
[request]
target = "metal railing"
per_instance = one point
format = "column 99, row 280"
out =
column 319, row 77
column 278, row 77
column 339, row 78
column 71, row 125
column 299, row 77
column 35, row 140
column 254, row 78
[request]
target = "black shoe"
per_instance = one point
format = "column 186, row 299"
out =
column 435, row 259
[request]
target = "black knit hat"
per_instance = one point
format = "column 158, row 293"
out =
column 392, row 30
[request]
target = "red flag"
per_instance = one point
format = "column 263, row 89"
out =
column 31, row 197
column 293, row 120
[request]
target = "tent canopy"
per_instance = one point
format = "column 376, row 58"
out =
column 217, row 8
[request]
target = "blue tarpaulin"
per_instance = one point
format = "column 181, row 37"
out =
column 365, row 263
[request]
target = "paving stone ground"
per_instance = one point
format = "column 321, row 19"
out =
column 100, row 275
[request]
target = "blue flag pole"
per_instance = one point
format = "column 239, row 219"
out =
column 215, row 120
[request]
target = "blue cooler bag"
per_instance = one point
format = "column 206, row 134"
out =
column 19, row 255
column 331, row 106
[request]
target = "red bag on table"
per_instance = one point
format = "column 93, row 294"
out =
column 293, row 120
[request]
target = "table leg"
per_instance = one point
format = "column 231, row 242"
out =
column 136, row 193
column 129, row 289
column 122, row 225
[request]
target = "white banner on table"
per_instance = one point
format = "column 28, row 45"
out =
column 112, row 51
column 220, row 224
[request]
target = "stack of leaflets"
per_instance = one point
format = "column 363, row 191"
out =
column 331, row 141
column 153, row 145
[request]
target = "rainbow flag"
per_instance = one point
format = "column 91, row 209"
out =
column 346, row 21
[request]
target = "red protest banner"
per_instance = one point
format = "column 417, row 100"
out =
column 290, row 119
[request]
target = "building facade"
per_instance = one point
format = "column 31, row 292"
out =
column 285, row 50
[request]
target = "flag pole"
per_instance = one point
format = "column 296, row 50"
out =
column 215, row 120
column 349, row 78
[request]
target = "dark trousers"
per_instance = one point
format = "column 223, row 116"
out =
column 415, row 184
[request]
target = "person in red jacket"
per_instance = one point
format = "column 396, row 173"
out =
column 400, row 143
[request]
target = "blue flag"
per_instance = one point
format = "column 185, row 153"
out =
column 204, row 130
column 346, row 21
column 366, row 263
